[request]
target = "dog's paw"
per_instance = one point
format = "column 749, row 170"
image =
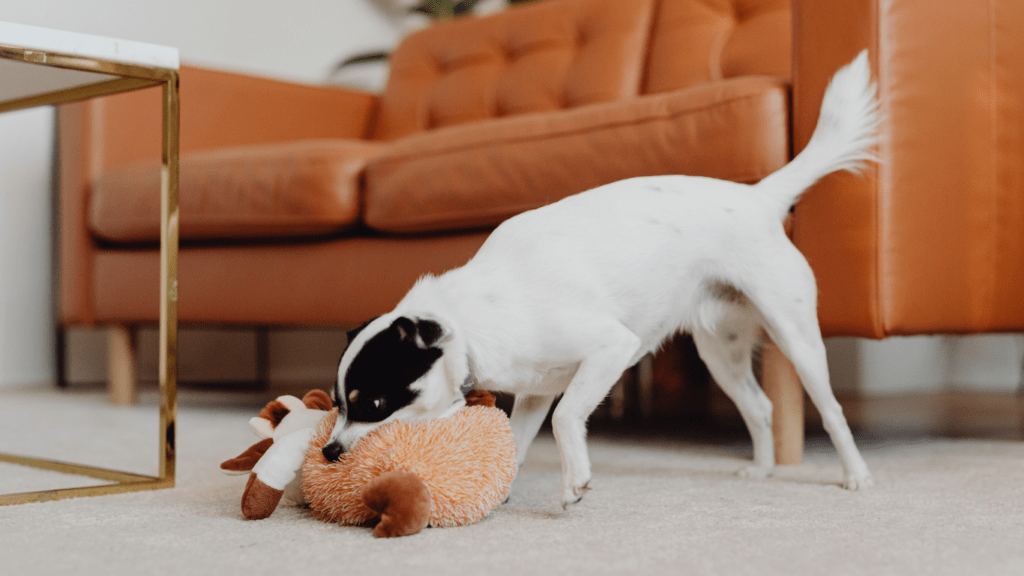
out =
column 754, row 472
column 572, row 495
column 858, row 481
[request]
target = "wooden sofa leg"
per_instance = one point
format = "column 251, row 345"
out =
column 121, row 365
column 782, row 386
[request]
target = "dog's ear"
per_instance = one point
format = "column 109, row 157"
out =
column 422, row 332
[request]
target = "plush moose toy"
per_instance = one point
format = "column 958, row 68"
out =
column 400, row 477
column 285, row 426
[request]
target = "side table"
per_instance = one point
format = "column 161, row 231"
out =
column 40, row 67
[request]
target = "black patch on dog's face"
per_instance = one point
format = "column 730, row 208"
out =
column 379, row 380
column 339, row 388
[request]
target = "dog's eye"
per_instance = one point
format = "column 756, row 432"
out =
column 353, row 395
column 379, row 404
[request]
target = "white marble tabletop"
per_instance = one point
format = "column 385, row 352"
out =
column 19, row 79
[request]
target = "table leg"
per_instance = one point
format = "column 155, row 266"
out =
column 169, row 276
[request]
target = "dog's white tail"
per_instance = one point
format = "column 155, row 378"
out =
column 842, row 140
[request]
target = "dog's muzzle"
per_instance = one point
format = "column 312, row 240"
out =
column 333, row 451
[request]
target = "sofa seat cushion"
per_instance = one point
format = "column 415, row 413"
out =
column 293, row 189
column 477, row 175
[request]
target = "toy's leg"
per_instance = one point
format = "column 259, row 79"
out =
column 259, row 500
column 528, row 413
column 403, row 502
column 278, row 470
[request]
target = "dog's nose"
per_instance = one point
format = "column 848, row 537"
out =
column 333, row 451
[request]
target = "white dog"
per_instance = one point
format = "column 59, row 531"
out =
column 562, row 299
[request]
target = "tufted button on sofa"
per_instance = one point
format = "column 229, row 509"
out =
column 314, row 205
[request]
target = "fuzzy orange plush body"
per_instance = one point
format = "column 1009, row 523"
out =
column 460, row 468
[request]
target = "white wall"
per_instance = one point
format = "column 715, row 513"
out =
column 26, row 310
column 921, row 364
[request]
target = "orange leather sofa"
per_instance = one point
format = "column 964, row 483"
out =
column 320, row 206
column 305, row 205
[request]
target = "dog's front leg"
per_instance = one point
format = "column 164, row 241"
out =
column 593, row 380
column 528, row 413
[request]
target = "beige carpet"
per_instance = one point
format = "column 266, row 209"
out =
column 659, row 505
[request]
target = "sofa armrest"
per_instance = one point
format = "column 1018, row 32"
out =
column 218, row 110
column 928, row 240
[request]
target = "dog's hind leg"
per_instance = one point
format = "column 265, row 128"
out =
column 788, row 303
column 726, row 348
column 528, row 413
column 594, row 378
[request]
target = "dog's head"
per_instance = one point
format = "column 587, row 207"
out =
column 395, row 367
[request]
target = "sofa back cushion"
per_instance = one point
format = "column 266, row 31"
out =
column 478, row 175
column 698, row 41
column 538, row 57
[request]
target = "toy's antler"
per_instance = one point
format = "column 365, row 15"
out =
column 245, row 461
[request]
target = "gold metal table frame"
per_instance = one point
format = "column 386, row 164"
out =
column 126, row 77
